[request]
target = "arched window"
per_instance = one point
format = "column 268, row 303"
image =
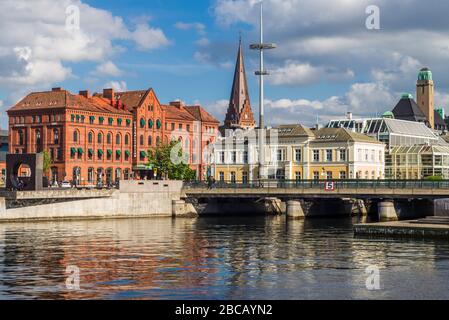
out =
column 126, row 139
column 90, row 137
column 141, row 140
column 187, row 144
column 150, row 140
column 118, row 139
column 75, row 136
column 56, row 136
column 38, row 137
column 21, row 139
column 158, row 141
column 142, row 123
column 109, row 138
column 100, row 138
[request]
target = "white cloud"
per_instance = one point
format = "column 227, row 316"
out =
column 198, row 27
column 148, row 38
column 37, row 45
column 203, row 42
column 108, row 68
column 118, row 86
column 202, row 57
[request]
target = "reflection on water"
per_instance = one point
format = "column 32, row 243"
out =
column 215, row 258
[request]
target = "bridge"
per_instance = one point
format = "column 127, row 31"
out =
column 386, row 194
column 361, row 189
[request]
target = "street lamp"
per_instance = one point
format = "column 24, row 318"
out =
column 261, row 46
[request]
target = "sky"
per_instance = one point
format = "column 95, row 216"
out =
column 327, row 61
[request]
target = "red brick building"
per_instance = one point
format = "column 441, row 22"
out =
column 106, row 137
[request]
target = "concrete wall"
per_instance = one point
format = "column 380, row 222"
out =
column 134, row 199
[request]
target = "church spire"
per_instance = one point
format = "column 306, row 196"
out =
column 239, row 113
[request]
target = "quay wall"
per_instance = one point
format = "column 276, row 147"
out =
column 134, row 199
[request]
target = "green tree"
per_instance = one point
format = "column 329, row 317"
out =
column 170, row 162
column 47, row 162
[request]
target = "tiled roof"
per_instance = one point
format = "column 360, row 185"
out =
column 131, row 99
column 341, row 135
column 294, row 130
column 201, row 114
column 177, row 113
column 64, row 99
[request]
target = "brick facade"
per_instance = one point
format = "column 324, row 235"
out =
column 105, row 137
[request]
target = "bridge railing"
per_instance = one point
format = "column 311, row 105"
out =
column 323, row 184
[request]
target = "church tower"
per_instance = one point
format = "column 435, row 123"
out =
column 239, row 114
column 425, row 95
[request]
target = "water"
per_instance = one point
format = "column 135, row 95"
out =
column 215, row 258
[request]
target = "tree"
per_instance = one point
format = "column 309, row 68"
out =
column 47, row 162
column 170, row 162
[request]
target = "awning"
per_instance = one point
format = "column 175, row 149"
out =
column 72, row 150
column 100, row 152
column 150, row 123
column 109, row 152
column 142, row 122
column 80, row 150
column 91, row 151
column 92, row 118
column 128, row 153
column 101, row 119
column 118, row 152
column 158, row 124
column 111, row 120
column 128, row 122
column 143, row 154
column 119, row 121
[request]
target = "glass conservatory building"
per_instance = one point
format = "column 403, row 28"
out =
column 413, row 150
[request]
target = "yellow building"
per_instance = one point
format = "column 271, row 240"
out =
column 294, row 152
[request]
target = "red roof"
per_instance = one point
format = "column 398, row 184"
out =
column 201, row 114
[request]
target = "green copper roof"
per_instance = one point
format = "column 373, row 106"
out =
column 388, row 115
column 407, row 96
column 425, row 74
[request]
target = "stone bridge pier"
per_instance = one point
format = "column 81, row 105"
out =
column 294, row 210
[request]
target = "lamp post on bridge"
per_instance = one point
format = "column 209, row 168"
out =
column 261, row 46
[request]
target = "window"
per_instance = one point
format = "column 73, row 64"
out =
column 233, row 156
column 126, row 140
column 280, row 155
column 141, row 140
column 109, row 138
column 173, row 127
column 188, row 127
column 316, row 175
column 316, row 155
column 118, row 139
column 329, row 175
column 342, row 175
column 233, row 177
column 21, row 139
column 180, row 127
column 75, row 136
column 298, row 176
column 329, row 155
column 221, row 176
column 222, row 157
column 245, row 157
column 245, row 177
column 142, row 123
column 342, row 155
column 158, row 141
column 298, row 155
column 56, row 136
column 150, row 140
column 90, row 137
column 100, row 138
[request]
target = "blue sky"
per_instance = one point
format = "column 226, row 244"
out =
column 327, row 62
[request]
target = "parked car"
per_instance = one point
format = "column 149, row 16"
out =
column 66, row 184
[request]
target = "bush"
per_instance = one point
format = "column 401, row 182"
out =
column 434, row 178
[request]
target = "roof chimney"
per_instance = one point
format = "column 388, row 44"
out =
column 57, row 89
column 349, row 115
column 177, row 104
column 85, row 93
column 109, row 94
